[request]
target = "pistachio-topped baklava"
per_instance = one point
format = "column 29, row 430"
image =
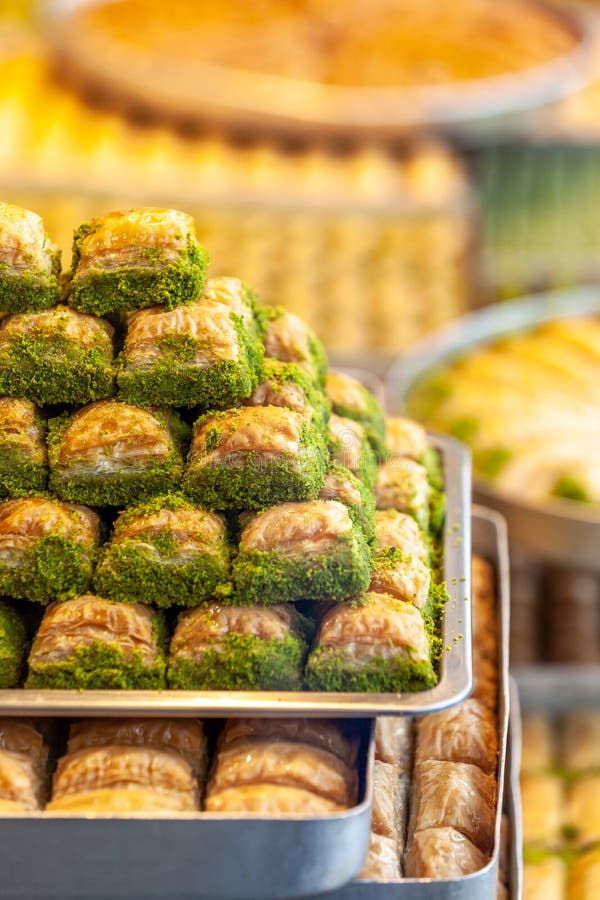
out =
column 403, row 485
column 23, row 456
column 351, row 400
column 289, row 386
column 29, row 263
column 290, row 339
column 350, row 447
column 134, row 259
column 340, row 484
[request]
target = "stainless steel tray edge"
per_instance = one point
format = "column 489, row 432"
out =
column 512, row 796
column 456, row 679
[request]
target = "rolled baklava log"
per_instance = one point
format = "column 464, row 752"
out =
column 467, row 733
column 374, row 643
column 584, row 877
column 542, row 798
column 351, row 400
column 13, row 646
column 454, row 795
column 241, row 300
column 334, row 736
column 131, row 260
column 121, row 778
column 166, row 552
column 201, row 354
column 47, row 548
column 301, row 551
column 289, row 386
column 442, row 854
column 402, row 484
column 546, row 879
column 218, row 647
column 113, row 454
column 254, row 457
column 56, row 356
column 383, row 861
column 350, row 448
column 393, row 742
column 90, row 642
column 29, row 263
column 280, row 774
column 183, row 736
column 340, row 484
column 290, row 339
column 23, row 767
column 23, row 456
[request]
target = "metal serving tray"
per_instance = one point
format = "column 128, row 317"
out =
column 203, row 856
column 557, row 531
column 456, row 676
column 490, row 541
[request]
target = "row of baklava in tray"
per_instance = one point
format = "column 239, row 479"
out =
column 560, row 790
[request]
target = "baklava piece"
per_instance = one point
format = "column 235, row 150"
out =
column 47, row 548
column 254, row 457
column 29, row 263
column 388, row 816
column 23, row 767
column 393, row 742
column 56, row 356
column 287, row 385
column 401, row 576
column 334, row 735
column 443, row 854
column 270, row 800
column 13, row 646
column 375, row 643
column 405, row 437
column 218, row 647
column 383, row 860
column 467, row 733
column 135, row 259
column 23, row 456
column 113, row 454
column 92, row 643
column 123, row 779
column 165, row 552
column 402, row 485
column 290, row 339
column 310, row 550
column 240, row 299
column 398, row 530
column 201, row 354
column 340, row 484
column 351, row 400
column 350, row 448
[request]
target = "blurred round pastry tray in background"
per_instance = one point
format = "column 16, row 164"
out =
column 563, row 532
column 292, row 67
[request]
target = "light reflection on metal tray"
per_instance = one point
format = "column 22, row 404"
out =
column 558, row 531
column 455, row 682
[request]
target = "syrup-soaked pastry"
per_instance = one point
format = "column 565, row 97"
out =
column 13, row 646
column 542, row 798
column 126, row 766
column 399, row 530
column 580, row 741
column 405, row 437
column 239, row 298
column 442, row 854
column 21, row 738
column 287, row 763
column 217, row 647
column 121, row 801
column 183, row 736
column 56, row 356
column 290, row 339
column 89, row 642
column 29, row 262
column 455, row 795
column 393, row 742
column 340, row 484
column 165, row 552
column 404, row 578
column 383, row 860
column 254, row 457
column 270, row 800
column 376, row 643
column 352, row 400
column 584, row 877
column 466, row 733
column 539, row 752
column 402, row 484
column 335, row 736
column 310, row 550
column 134, row 259
column 200, row 354
column 114, row 454
column 388, row 816
column 546, row 879
column 581, row 814
column 291, row 387
column 23, row 767
column 23, row 456
column 350, row 448
column 47, row 548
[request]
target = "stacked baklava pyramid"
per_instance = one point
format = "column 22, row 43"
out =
column 187, row 495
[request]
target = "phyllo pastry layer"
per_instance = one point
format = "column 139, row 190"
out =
column 131, row 260
column 13, row 646
column 466, row 733
column 29, row 263
column 442, row 853
column 376, row 643
column 405, row 437
column 310, row 550
column 201, row 354
column 218, row 647
column 89, row 642
column 289, row 386
column 393, row 742
column 23, row 767
column 270, row 800
column 240, row 299
column 166, row 552
column 254, row 457
column 340, row 484
column 23, row 456
column 351, row 400
column 383, row 860
column 349, row 447
column 399, row 530
column 56, row 356
column 403, row 485
column 114, row 454
column 290, row 339
column 47, row 548
column 335, row 736
column 400, row 576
